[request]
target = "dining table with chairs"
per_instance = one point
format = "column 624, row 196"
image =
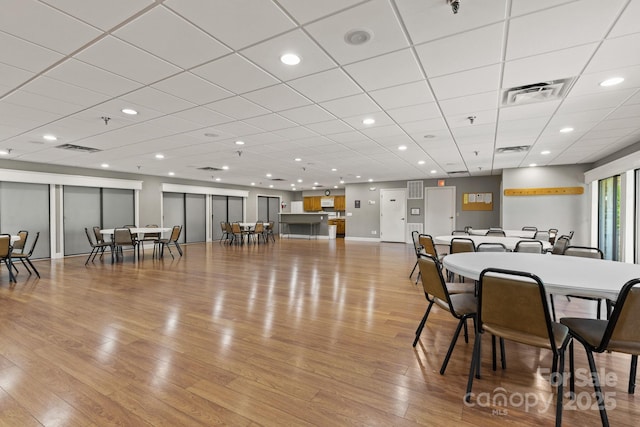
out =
column 509, row 242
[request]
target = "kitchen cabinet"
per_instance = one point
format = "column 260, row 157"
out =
column 311, row 204
column 340, row 203
column 340, row 225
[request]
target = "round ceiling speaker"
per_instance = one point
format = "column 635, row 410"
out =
column 358, row 37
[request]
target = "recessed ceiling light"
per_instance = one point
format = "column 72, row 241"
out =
column 290, row 59
column 315, row 183
column 292, row 184
column 271, row 186
column 50, row 138
column 299, row 180
column 533, row 165
column 239, row 142
column 268, row 175
column 298, row 159
column 253, row 183
column 434, row 171
column 225, row 167
column 545, row 152
column 342, row 181
column 368, row 121
column 294, row 188
column 612, row 81
column 421, row 162
column 313, row 188
column 159, row 156
column 333, row 169
column 172, row 173
column 129, row 111
column 217, row 179
column 357, row 176
column 105, row 165
column 402, row 147
column 335, row 186
column 370, row 180
column 566, row 130
column 4, row 152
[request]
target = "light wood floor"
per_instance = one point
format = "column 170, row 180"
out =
column 300, row 332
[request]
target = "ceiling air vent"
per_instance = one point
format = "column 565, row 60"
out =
column 210, row 169
column 513, row 149
column 537, row 92
column 278, row 179
column 458, row 173
column 78, row 148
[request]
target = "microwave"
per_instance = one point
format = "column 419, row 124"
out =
column 326, row 202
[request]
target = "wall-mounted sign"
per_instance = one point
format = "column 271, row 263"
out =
column 357, row 204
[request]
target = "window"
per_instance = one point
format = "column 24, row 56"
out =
column 609, row 217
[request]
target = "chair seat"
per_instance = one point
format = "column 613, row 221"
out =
column 560, row 333
column 591, row 331
column 460, row 287
column 463, row 304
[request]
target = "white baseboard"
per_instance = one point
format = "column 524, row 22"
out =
column 363, row 239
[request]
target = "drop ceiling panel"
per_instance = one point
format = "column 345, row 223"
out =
column 127, row 61
column 626, row 111
column 204, row 116
column 270, row 122
column 387, row 70
column 192, row 88
column 528, row 36
column 466, row 83
column 13, row 76
column 307, row 114
column 25, row 117
column 238, row 129
column 471, row 49
column 170, row 44
column 381, row 119
column 42, row 103
column 351, row 105
column 93, row 78
column 325, row 86
column 557, row 65
column 238, row 23
column 628, row 23
column 470, row 105
column 403, row 95
column 277, row 98
column 309, row 10
column 65, row 92
column 235, row 74
column 238, row 107
column 415, row 112
column 104, row 15
column 615, row 54
column 312, row 58
column 590, row 83
column 330, row 127
column 26, row 55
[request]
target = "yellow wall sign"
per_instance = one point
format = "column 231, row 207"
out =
column 549, row 191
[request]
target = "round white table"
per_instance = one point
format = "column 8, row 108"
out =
column 561, row 274
column 508, row 242
column 525, row 234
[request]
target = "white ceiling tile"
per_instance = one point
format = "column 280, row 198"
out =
column 204, row 116
column 549, row 66
column 32, row 21
column 93, row 78
column 157, row 100
column 383, row 131
column 432, row 19
column 296, row 133
column 270, row 122
column 127, row 61
column 547, row 30
column 238, row 23
column 626, row 111
column 376, row 17
column 403, row 95
column 170, row 43
column 351, row 105
column 330, row 127
column 238, row 128
column 466, row 83
column 381, row 119
column 267, row 55
column 387, row 70
column 235, row 73
column 327, row 85
column 615, row 54
column 478, row 119
column 628, row 22
column 424, row 127
column 309, row 10
column 472, row 49
column 13, row 77
column 415, row 112
column 193, row 88
column 237, row 107
column 521, row 7
column 104, row 15
column 594, row 101
column 24, row 117
column 590, row 83
column 277, row 98
column 470, row 104
column 307, row 114
column 42, row 103
column 26, row 55
column 62, row 91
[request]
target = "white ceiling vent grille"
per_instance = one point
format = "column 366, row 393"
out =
column 513, row 149
column 78, row 148
column 415, row 190
column 537, row 92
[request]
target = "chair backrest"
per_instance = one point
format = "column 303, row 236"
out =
column 98, row 235
column 622, row 332
column 491, row 247
column 18, row 245
column 542, row 235
column 462, row 244
column 259, row 227
column 459, row 233
column 5, row 245
column 529, row 228
column 122, row 236
column 491, row 232
column 270, row 227
column 86, row 230
column 152, row 235
column 235, row 227
column 175, row 233
column 560, row 245
column 228, row 227
column 223, row 226
column 426, row 242
column 530, row 246
column 415, row 238
column 513, row 305
column 432, row 280
column 584, row 251
column 35, row 240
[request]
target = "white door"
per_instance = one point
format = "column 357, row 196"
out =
column 440, row 210
column 393, row 211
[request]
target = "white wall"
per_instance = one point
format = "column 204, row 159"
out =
column 566, row 213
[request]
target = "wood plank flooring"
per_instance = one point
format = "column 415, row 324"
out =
column 300, row 332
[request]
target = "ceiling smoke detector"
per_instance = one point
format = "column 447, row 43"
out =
column 536, row 92
column 358, row 37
